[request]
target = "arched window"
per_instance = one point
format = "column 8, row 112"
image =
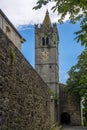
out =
column 43, row 41
column 47, row 41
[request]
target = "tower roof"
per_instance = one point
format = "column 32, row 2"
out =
column 47, row 20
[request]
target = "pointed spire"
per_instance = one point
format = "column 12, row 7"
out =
column 46, row 19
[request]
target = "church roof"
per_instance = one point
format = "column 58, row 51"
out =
column 47, row 20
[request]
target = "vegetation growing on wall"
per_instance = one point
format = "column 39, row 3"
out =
column 13, row 56
column 54, row 95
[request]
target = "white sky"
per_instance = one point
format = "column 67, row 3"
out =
column 20, row 12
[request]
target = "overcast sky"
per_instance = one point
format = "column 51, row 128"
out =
column 20, row 12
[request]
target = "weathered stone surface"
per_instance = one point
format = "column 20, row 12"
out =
column 64, row 109
column 46, row 60
column 24, row 97
column 70, row 108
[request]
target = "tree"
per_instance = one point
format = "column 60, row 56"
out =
column 77, row 10
column 77, row 81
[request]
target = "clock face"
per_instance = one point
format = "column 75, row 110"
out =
column 45, row 55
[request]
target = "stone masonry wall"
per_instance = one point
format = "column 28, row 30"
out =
column 24, row 97
column 70, row 104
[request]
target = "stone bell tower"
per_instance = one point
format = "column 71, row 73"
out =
column 46, row 53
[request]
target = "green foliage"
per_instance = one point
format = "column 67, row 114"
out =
column 76, row 8
column 13, row 56
column 85, row 111
column 77, row 81
column 85, row 122
column 82, row 33
column 40, row 3
column 85, row 106
column 53, row 94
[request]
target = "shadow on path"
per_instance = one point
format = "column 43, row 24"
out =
column 74, row 128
